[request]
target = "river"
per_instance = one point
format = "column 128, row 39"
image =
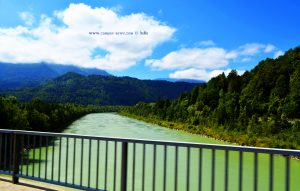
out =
column 114, row 125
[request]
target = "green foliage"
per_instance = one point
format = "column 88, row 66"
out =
column 40, row 116
column 259, row 106
column 101, row 90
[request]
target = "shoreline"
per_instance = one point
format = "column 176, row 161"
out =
column 234, row 137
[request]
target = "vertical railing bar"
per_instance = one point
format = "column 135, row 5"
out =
column 188, row 169
column 226, row 170
column 124, row 164
column 33, row 160
column 46, row 161
column 59, row 159
column 115, row 164
column 90, row 161
column 213, row 163
column 40, row 156
column 16, row 152
column 143, row 174
column 21, row 155
column 255, row 171
column 74, row 161
column 106, row 159
column 176, row 168
column 11, row 153
column 27, row 158
column 240, row 170
column 271, row 173
column 67, row 160
column 1, row 139
column 287, row 174
column 81, row 161
column 165, row 167
column 200, row 170
column 154, row 168
column 97, row 167
column 52, row 166
column 133, row 167
column 5, row 153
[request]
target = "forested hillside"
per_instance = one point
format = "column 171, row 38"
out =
column 101, row 90
column 40, row 116
column 261, row 107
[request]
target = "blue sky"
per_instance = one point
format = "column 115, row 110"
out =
column 187, row 39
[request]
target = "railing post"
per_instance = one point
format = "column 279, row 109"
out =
column 17, row 148
column 124, row 166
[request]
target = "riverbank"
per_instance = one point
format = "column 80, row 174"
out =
column 234, row 137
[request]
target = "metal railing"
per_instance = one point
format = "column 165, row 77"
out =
column 106, row 163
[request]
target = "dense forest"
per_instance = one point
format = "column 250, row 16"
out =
column 101, row 90
column 41, row 116
column 261, row 107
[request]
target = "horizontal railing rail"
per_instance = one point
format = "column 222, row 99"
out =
column 111, row 163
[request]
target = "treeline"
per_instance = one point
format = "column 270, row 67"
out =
column 260, row 108
column 41, row 116
column 100, row 90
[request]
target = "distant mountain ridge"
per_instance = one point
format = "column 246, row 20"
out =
column 182, row 80
column 20, row 75
column 101, row 90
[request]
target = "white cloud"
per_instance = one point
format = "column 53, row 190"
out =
column 278, row 53
column 200, row 74
column 206, row 43
column 250, row 49
column 269, row 48
column 208, row 58
column 207, row 62
column 246, row 59
column 27, row 17
column 71, row 43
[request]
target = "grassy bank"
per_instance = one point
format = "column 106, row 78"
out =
column 240, row 138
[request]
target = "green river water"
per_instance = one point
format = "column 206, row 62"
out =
column 113, row 125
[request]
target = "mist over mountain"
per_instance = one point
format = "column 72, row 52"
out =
column 19, row 75
column 182, row 80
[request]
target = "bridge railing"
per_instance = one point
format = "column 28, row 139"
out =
column 107, row 163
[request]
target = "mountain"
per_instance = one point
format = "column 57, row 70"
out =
column 182, row 80
column 99, row 89
column 19, row 75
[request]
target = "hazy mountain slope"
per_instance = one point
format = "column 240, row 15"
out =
column 20, row 75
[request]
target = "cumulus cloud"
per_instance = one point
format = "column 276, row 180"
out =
column 278, row 53
column 70, row 42
column 200, row 74
column 208, row 57
column 251, row 49
column 206, row 62
column 269, row 48
column 27, row 18
column 194, row 57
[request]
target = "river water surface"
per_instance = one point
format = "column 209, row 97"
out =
column 114, row 125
